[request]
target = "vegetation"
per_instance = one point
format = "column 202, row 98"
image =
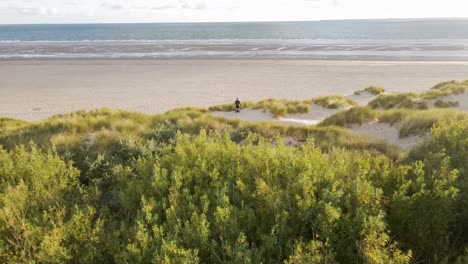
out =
column 277, row 107
column 402, row 100
column 111, row 186
column 231, row 107
column 374, row 90
column 166, row 197
column 355, row 115
column 424, row 120
column 333, row 101
column 443, row 104
column 409, row 121
column 420, row 101
column 282, row 107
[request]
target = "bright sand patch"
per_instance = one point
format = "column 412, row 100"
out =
column 251, row 115
column 362, row 99
column 34, row 90
column 316, row 115
column 462, row 99
column 387, row 133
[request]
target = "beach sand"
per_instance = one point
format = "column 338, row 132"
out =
column 33, row 90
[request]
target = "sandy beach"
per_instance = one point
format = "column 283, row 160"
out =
column 33, row 90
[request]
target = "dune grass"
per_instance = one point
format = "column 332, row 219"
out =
column 444, row 89
column 277, row 107
column 402, row 100
column 77, row 123
column 325, row 137
column 374, row 90
column 282, row 107
column 355, row 115
column 230, row 107
column 95, row 130
column 445, row 104
column 333, row 101
column 394, row 116
column 422, row 121
column 410, row 121
column 420, row 101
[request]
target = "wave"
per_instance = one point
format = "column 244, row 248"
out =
column 273, row 41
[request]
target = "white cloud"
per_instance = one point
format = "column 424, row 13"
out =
column 112, row 5
column 89, row 11
column 72, row 2
column 35, row 11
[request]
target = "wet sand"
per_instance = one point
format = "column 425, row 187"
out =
column 34, row 90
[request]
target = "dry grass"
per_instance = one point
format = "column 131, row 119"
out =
column 443, row 104
column 355, row 115
column 277, row 107
column 333, row 101
column 402, row 100
column 422, row 121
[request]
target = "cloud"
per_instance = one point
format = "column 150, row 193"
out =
column 152, row 8
column 113, row 6
column 196, row 6
column 72, row 2
column 35, row 11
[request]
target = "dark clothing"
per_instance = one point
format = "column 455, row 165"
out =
column 237, row 106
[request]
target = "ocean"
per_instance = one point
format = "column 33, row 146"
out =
column 427, row 40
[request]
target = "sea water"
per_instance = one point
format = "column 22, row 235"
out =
column 416, row 39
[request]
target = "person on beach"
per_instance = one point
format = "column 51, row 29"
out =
column 237, row 102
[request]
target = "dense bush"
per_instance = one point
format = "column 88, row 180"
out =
column 186, row 187
column 205, row 198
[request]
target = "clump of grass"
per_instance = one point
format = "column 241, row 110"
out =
column 443, row 104
column 230, row 107
column 81, row 122
column 281, row 107
column 375, row 90
column 355, row 115
column 445, row 89
column 421, row 121
column 277, row 107
column 333, row 101
column 9, row 124
column 325, row 137
column 444, row 84
column 401, row 100
column 394, row 116
column 65, row 139
column 434, row 94
column 105, row 138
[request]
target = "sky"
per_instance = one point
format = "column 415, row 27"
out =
column 136, row 11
